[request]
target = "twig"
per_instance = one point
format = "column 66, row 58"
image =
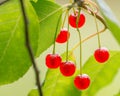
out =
column 2, row 2
column 30, row 49
column 97, row 16
column 92, row 4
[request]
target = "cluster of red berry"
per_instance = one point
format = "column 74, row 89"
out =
column 81, row 81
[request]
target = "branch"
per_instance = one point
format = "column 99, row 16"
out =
column 29, row 48
column 97, row 16
column 3, row 2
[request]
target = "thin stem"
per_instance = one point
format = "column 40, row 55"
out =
column 72, row 7
column 79, row 34
column 93, row 4
column 97, row 16
column 98, row 35
column 3, row 2
column 55, row 35
column 27, row 41
column 99, row 42
column 87, row 38
column 88, row 10
column 80, row 51
column 64, row 18
column 67, row 45
column 74, row 10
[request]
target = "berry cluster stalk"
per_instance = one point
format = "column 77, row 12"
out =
column 97, row 16
column 99, row 43
column 65, row 18
column 98, row 32
column 27, row 41
column 55, row 35
column 67, row 40
column 72, row 7
column 98, row 35
column 79, row 34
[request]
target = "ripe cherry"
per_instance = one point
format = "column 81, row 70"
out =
column 67, row 68
column 82, row 82
column 53, row 61
column 73, row 19
column 101, row 54
column 63, row 36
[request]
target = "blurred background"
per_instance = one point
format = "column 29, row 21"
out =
column 25, row 84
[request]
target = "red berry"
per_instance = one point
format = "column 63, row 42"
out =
column 82, row 82
column 67, row 68
column 53, row 61
column 101, row 55
column 73, row 20
column 63, row 36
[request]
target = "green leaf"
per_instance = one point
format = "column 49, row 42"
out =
column 58, row 85
column 110, row 19
column 118, row 94
column 48, row 18
column 33, row 92
column 51, row 0
column 14, row 58
column 101, row 74
column 44, row 0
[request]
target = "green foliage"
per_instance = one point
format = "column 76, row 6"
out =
column 43, row 19
column 47, row 18
column 101, row 74
column 14, row 59
column 110, row 19
column 33, row 92
column 52, row 0
column 58, row 85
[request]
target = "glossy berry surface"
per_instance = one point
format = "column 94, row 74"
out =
column 63, row 36
column 73, row 19
column 67, row 68
column 101, row 55
column 82, row 82
column 53, row 61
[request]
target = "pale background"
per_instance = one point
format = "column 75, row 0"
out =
column 25, row 84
